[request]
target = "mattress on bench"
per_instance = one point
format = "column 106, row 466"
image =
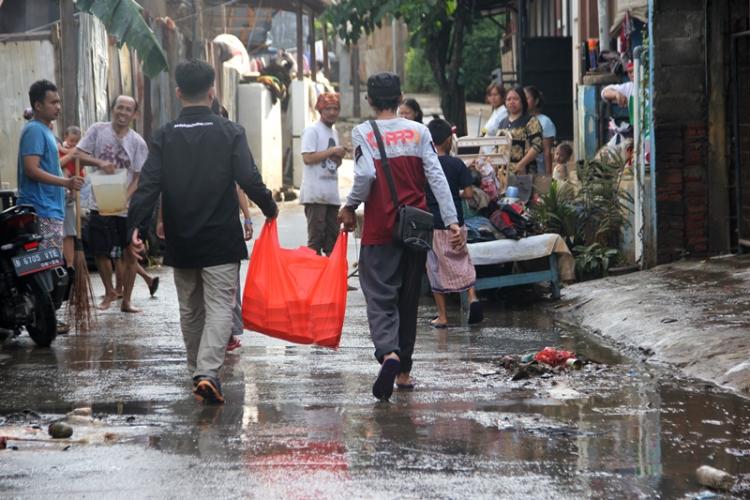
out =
column 530, row 248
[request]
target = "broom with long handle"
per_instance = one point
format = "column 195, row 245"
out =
column 80, row 303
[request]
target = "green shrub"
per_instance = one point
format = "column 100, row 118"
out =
column 591, row 220
column 556, row 213
column 593, row 261
column 481, row 56
column 418, row 77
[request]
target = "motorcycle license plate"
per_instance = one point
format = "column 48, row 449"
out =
column 37, row 261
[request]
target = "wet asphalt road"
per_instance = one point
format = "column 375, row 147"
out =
column 300, row 421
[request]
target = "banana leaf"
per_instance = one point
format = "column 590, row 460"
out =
column 124, row 20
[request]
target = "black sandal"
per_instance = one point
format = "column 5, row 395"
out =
column 154, row 286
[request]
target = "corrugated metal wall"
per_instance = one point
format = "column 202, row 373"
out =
column 23, row 63
column 103, row 71
column 93, row 67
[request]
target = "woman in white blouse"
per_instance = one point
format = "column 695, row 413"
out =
column 496, row 98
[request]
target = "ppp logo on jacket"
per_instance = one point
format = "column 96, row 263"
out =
column 394, row 138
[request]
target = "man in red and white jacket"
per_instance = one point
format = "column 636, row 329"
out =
column 390, row 274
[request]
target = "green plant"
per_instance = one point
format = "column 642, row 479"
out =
column 593, row 261
column 604, row 206
column 556, row 213
column 590, row 220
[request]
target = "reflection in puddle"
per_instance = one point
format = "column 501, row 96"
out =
column 300, row 422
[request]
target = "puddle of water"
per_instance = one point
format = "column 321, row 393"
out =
column 621, row 429
column 298, row 417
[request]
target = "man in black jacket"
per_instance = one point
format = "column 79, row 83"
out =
column 193, row 164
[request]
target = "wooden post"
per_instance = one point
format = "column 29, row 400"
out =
column 198, row 45
column 356, row 109
column 313, row 64
column 69, row 62
column 394, row 46
column 326, row 69
column 146, row 115
column 521, row 34
column 300, row 44
column 719, row 227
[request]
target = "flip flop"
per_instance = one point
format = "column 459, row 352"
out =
column 405, row 387
column 154, row 286
column 383, row 386
column 439, row 326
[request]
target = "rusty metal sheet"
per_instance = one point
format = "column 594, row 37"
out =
column 126, row 71
column 114, row 85
column 143, row 117
column 93, row 66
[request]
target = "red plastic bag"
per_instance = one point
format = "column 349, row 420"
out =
column 553, row 357
column 295, row 295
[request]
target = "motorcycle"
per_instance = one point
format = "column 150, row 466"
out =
column 33, row 280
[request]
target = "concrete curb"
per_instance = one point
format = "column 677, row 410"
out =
column 690, row 315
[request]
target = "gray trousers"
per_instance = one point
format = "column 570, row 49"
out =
column 238, row 327
column 206, row 296
column 391, row 279
column 322, row 226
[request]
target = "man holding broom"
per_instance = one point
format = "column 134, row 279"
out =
column 194, row 163
column 41, row 183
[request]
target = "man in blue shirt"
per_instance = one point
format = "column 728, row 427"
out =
column 40, row 180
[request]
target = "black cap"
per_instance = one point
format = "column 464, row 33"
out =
column 384, row 85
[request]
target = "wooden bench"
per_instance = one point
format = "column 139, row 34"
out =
column 549, row 246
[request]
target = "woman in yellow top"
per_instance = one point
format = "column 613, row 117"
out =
column 525, row 130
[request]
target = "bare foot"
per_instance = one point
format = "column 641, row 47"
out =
column 439, row 323
column 403, row 379
column 106, row 302
column 127, row 308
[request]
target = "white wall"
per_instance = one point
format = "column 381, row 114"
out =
column 262, row 121
column 302, row 113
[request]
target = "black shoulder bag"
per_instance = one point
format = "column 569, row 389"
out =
column 413, row 228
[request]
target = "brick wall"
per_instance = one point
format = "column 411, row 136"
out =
column 680, row 115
